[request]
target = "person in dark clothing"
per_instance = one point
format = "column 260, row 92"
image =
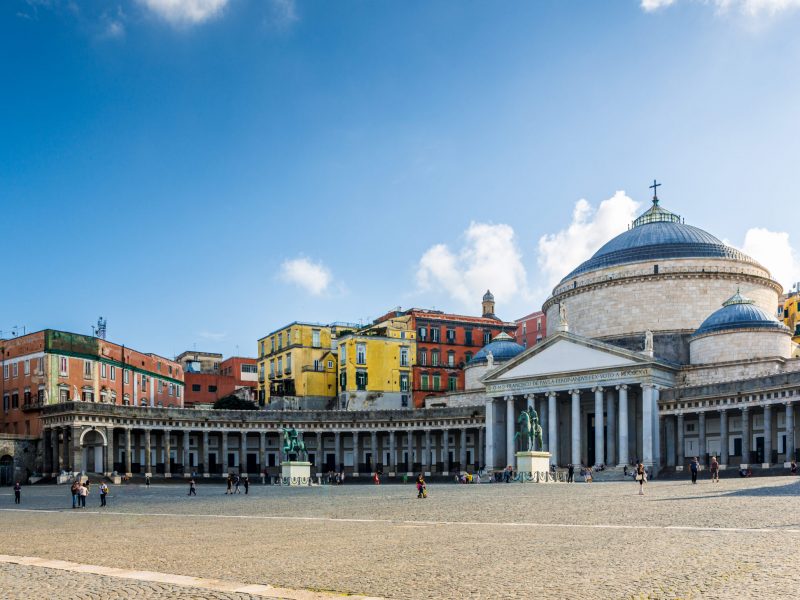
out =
column 693, row 467
column 192, row 488
column 571, row 473
column 246, row 482
column 17, row 492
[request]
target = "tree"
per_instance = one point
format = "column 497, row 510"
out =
column 233, row 402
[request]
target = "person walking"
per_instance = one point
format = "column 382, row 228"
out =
column 76, row 500
column 83, row 491
column 103, row 493
column 694, row 466
column 229, row 489
column 641, row 477
column 570, row 473
column 246, row 481
column 192, row 488
column 714, row 468
column 236, row 483
column 147, row 481
column 17, row 493
column 422, row 489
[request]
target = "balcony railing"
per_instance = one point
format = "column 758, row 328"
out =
column 35, row 405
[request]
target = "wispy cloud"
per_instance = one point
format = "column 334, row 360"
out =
column 282, row 13
column 774, row 250
column 751, row 8
column 314, row 277
column 186, row 12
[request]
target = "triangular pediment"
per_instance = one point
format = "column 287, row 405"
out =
column 566, row 353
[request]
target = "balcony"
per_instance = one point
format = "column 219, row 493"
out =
column 287, row 371
column 35, row 405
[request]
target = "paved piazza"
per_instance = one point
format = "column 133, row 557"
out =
column 739, row 538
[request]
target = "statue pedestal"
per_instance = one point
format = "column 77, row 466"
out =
column 531, row 463
column 295, row 472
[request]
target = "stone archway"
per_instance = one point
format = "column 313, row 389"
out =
column 92, row 443
column 6, row 470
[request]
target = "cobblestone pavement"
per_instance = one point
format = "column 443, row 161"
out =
column 736, row 539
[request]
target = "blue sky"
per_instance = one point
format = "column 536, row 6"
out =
column 201, row 172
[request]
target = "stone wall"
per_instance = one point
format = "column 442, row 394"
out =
column 25, row 453
column 670, row 346
column 742, row 344
column 632, row 298
column 465, row 398
column 736, row 371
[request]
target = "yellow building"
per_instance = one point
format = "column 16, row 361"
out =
column 791, row 313
column 299, row 361
column 375, row 366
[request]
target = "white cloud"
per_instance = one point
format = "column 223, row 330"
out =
column 488, row 259
column 315, row 278
column 186, row 12
column 561, row 252
column 752, row 8
column 282, row 13
column 773, row 250
column 114, row 29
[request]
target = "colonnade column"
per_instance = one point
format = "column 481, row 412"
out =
column 409, row 445
column 47, row 450
column 262, row 455
column 66, row 465
column 746, row 435
column 243, row 453
column 599, row 429
column 767, row 434
column 337, row 451
column 552, row 423
column 510, row 458
column 543, row 421
column 481, row 449
column 167, row 434
column 373, row 442
column 55, row 466
column 148, row 470
column 489, row 420
column 110, row 450
column 656, row 427
column 681, row 445
column 701, row 430
column 426, row 462
column 611, row 437
column 206, row 467
column 462, row 450
column 789, row 432
column 392, row 463
column 77, row 454
column 355, row 452
column 446, row 451
column 647, row 424
column 575, row 458
column 723, row 437
column 318, row 454
column 622, row 450
column 128, row 471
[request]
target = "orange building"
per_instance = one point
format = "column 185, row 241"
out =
column 236, row 375
column 50, row 367
column 531, row 329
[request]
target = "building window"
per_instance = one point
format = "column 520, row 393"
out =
column 103, row 370
column 63, row 394
column 249, row 369
column 280, row 341
column 403, row 382
column 113, row 372
column 330, row 364
column 87, row 396
column 272, row 345
column 452, row 383
column 158, row 366
column 261, row 345
column 538, row 324
column 434, row 358
column 468, row 337
column 40, row 395
column 423, row 333
column 451, row 336
column 316, row 365
column 87, row 369
column 361, row 380
column 195, row 387
column 315, row 342
column 15, row 400
column 280, row 365
column 487, row 337
column 288, row 363
column 424, row 382
column 437, row 382
column 171, row 389
column 15, row 370
column 361, row 354
column 403, row 357
column 177, row 391
column 160, row 386
column 434, row 334
column 212, row 388
column 342, row 354
column 5, row 371
column 40, row 365
column 126, row 376
column 423, row 357
column 272, row 368
column 27, row 367
column 342, row 380
column 26, row 396
column 404, row 400
column 451, row 359
column 468, row 357
column 144, row 383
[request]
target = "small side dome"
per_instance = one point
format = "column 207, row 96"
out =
column 488, row 296
column 503, row 348
column 739, row 312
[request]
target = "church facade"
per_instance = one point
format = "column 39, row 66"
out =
column 661, row 347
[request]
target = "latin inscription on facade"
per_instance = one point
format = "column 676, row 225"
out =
column 586, row 378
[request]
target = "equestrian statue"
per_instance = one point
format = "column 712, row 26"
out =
column 292, row 444
column 529, row 430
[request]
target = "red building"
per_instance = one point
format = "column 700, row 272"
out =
column 531, row 329
column 49, row 367
column 445, row 344
column 236, row 375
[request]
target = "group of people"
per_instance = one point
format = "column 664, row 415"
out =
column 334, row 478
column 234, row 481
column 80, row 491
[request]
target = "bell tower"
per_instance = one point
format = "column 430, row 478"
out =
column 488, row 304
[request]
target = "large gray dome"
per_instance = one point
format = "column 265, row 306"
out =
column 659, row 234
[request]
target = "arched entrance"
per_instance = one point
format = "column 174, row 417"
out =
column 92, row 443
column 6, row 470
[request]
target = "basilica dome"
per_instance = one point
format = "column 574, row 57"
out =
column 739, row 312
column 502, row 347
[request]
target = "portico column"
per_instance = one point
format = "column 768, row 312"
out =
column 462, row 451
column 702, row 433
column 446, row 451
column 767, row 434
column 65, row 464
column 148, row 471
column 262, row 455
column 243, row 453
column 337, row 451
column 599, row 429
column 622, row 428
column 167, row 453
column 746, row 435
column 409, row 445
column 489, row 420
column 789, row 432
column 391, row 467
column 373, row 443
column 723, row 437
column 681, row 445
column 647, row 424
column 55, row 466
column 318, row 455
column 656, row 427
column 46, row 451
column 128, row 471
column 510, row 458
column 576, row 427
column 611, row 437
column 426, row 463
column 355, row 452
column 110, row 450
column 544, row 422
column 552, row 424
column 206, row 467
column 77, row 451
column 481, row 449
